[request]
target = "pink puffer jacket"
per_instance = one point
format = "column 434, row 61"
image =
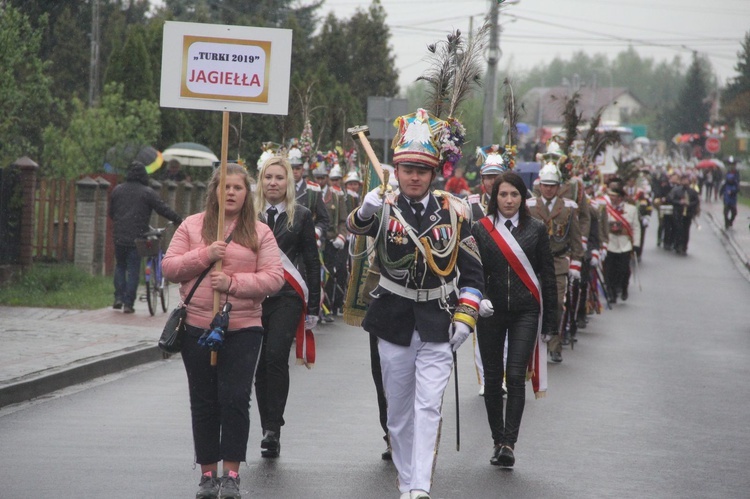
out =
column 256, row 275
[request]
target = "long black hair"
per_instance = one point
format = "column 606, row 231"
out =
column 516, row 181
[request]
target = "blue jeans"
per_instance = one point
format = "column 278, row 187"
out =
column 127, row 273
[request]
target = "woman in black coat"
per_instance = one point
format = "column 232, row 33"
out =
column 510, row 307
column 293, row 227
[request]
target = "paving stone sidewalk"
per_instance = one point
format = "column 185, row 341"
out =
column 44, row 350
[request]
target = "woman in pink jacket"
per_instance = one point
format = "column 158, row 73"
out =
column 251, row 270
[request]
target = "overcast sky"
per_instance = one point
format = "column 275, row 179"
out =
column 535, row 31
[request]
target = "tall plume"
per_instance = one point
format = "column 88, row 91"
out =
column 455, row 69
column 512, row 113
column 571, row 120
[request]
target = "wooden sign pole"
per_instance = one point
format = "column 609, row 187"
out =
column 222, row 203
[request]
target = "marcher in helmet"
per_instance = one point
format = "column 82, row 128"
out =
column 561, row 217
column 418, row 315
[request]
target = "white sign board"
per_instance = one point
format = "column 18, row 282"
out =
column 226, row 68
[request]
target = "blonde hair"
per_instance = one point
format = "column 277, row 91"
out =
column 244, row 232
column 289, row 196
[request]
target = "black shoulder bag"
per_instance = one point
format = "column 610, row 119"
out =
column 170, row 340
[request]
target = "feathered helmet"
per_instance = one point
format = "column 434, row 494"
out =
column 319, row 165
column 427, row 139
column 336, row 172
column 293, row 153
column 352, row 176
column 269, row 149
column 494, row 160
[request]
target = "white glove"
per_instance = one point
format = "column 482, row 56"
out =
column 574, row 271
column 603, row 253
column 460, row 331
column 338, row 243
column 311, row 321
column 370, row 204
column 546, row 338
column 485, row 308
column 595, row 258
column 644, row 222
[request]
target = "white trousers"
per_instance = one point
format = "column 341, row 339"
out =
column 414, row 380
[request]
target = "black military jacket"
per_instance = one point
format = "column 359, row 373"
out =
column 309, row 196
column 394, row 318
column 298, row 244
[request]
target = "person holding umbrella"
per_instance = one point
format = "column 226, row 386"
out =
column 252, row 270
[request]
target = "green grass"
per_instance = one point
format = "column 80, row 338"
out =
column 57, row 286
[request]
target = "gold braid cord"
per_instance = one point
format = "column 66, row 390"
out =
column 431, row 261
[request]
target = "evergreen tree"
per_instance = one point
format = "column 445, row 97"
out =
column 70, row 58
column 691, row 111
column 132, row 66
column 25, row 96
column 736, row 97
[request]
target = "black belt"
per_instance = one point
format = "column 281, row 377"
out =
column 561, row 252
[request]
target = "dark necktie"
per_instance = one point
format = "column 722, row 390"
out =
column 548, row 204
column 418, row 207
column 509, row 225
column 272, row 211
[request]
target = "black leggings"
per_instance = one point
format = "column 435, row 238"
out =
column 521, row 328
column 220, row 395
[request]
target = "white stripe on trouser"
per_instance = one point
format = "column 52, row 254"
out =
column 414, row 379
column 478, row 360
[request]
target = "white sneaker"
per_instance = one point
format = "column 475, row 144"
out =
column 481, row 391
column 419, row 494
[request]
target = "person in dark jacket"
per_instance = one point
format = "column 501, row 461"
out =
column 130, row 209
column 520, row 291
column 295, row 307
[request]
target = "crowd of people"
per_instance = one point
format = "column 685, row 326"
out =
column 519, row 268
column 516, row 265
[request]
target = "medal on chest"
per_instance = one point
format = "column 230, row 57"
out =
column 441, row 235
column 396, row 232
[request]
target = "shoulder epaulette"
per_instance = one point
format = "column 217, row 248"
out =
column 458, row 204
column 569, row 203
column 312, row 185
column 337, row 190
column 474, row 199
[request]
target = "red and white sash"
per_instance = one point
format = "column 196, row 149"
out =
column 611, row 211
column 304, row 338
column 521, row 265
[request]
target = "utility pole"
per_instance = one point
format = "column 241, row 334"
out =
column 94, row 66
column 490, row 84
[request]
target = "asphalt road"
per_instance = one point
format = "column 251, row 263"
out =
column 653, row 402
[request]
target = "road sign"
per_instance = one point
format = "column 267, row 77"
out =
column 713, row 145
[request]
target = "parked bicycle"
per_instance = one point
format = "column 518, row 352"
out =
column 151, row 247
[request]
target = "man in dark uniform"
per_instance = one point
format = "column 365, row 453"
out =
column 418, row 313
column 308, row 194
column 335, row 239
column 686, row 203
